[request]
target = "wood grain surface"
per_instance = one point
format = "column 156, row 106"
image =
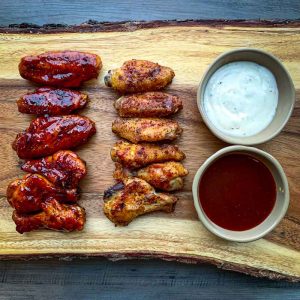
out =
column 188, row 50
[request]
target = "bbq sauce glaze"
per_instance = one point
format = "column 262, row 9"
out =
column 237, row 192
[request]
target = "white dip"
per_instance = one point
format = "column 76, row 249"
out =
column 240, row 98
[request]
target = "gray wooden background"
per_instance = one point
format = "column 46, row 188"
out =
column 98, row 278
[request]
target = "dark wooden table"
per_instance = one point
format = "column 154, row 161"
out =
column 136, row 279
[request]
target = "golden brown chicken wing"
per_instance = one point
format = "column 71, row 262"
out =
column 28, row 194
column 146, row 129
column 125, row 201
column 46, row 135
column 55, row 216
column 150, row 104
column 139, row 76
column 51, row 101
column 135, row 156
column 60, row 68
column 64, row 168
column 166, row 176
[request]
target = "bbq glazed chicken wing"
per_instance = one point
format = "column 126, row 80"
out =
column 28, row 194
column 146, row 129
column 135, row 156
column 64, row 168
column 166, row 176
column 149, row 104
column 139, row 76
column 46, row 135
column 55, row 216
column 60, row 68
column 51, row 101
column 125, row 201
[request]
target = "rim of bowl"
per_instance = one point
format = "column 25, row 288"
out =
column 240, row 140
column 208, row 223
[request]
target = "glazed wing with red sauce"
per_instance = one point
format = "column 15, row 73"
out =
column 60, row 68
column 64, row 168
column 46, row 135
column 55, row 216
column 51, row 101
column 28, row 194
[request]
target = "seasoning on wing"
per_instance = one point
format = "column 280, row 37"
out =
column 60, row 68
column 135, row 156
column 146, row 129
column 166, row 176
column 64, row 168
column 149, row 104
column 29, row 193
column 139, row 76
column 51, row 101
column 54, row 215
column 46, row 135
column 125, row 201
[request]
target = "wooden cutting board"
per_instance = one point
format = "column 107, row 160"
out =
column 187, row 47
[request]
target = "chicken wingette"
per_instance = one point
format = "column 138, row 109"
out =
column 125, row 201
column 54, row 216
column 166, row 176
column 139, row 76
column 149, row 104
column 135, row 156
column 138, row 130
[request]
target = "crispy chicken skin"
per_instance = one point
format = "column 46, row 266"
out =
column 125, row 201
column 135, row 156
column 28, row 194
column 46, row 135
column 149, row 104
column 166, row 176
column 54, row 215
column 139, row 76
column 51, row 101
column 64, row 168
column 138, row 130
column 60, row 68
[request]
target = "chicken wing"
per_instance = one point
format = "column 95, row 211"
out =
column 60, row 68
column 135, row 156
column 28, row 194
column 139, row 76
column 150, row 104
column 146, row 129
column 55, row 216
column 125, row 201
column 166, row 176
column 64, row 168
column 51, row 101
column 46, row 135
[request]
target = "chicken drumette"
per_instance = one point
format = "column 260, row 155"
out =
column 134, row 197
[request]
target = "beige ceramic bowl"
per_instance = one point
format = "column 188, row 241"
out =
column 281, row 203
column 285, row 87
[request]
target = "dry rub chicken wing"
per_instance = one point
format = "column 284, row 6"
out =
column 125, row 201
column 46, row 135
column 64, row 168
column 28, row 194
column 51, row 101
column 60, row 68
column 166, row 176
column 146, row 129
column 139, row 76
column 149, row 104
column 135, row 156
column 54, row 215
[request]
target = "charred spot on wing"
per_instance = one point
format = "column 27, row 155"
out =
column 112, row 190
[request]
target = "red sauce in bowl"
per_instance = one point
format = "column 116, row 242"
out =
column 237, row 192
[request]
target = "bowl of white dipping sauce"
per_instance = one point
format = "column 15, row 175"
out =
column 246, row 97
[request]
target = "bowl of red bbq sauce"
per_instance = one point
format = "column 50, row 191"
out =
column 240, row 193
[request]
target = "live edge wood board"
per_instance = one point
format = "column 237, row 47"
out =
column 187, row 47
